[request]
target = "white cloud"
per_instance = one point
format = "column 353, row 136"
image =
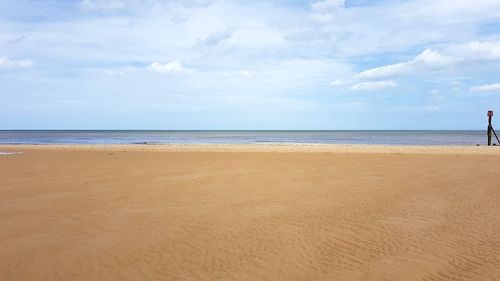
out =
column 431, row 59
column 326, row 11
column 338, row 82
column 373, row 86
column 256, row 37
column 171, row 67
column 326, row 6
column 90, row 5
column 428, row 60
column 476, row 51
column 5, row 63
column 246, row 73
column 486, row 88
column 122, row 70
column 385, row 71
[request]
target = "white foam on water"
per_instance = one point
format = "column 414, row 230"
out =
column 9, row 153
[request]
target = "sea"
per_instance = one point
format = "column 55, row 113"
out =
column 364, row 137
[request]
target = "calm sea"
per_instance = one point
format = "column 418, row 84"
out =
column 245, row 137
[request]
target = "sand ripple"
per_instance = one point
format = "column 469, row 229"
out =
column 94, row 215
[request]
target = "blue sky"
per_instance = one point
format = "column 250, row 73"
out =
column 213, row 64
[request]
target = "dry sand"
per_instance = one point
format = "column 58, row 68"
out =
column 249, row 213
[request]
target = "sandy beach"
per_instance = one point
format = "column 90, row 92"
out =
column 249, row 213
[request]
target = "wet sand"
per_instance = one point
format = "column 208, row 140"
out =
column 249, row 213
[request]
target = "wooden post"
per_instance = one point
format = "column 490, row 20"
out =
column 490, row 114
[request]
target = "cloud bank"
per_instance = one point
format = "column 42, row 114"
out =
column 216, row 64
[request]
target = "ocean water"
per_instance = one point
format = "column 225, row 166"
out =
column 246, row 137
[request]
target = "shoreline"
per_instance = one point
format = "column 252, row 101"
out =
column 285, row 148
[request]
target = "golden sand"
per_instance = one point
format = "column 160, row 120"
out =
column 249, row 213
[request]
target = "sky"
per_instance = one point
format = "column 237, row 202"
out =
column 244, row 65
